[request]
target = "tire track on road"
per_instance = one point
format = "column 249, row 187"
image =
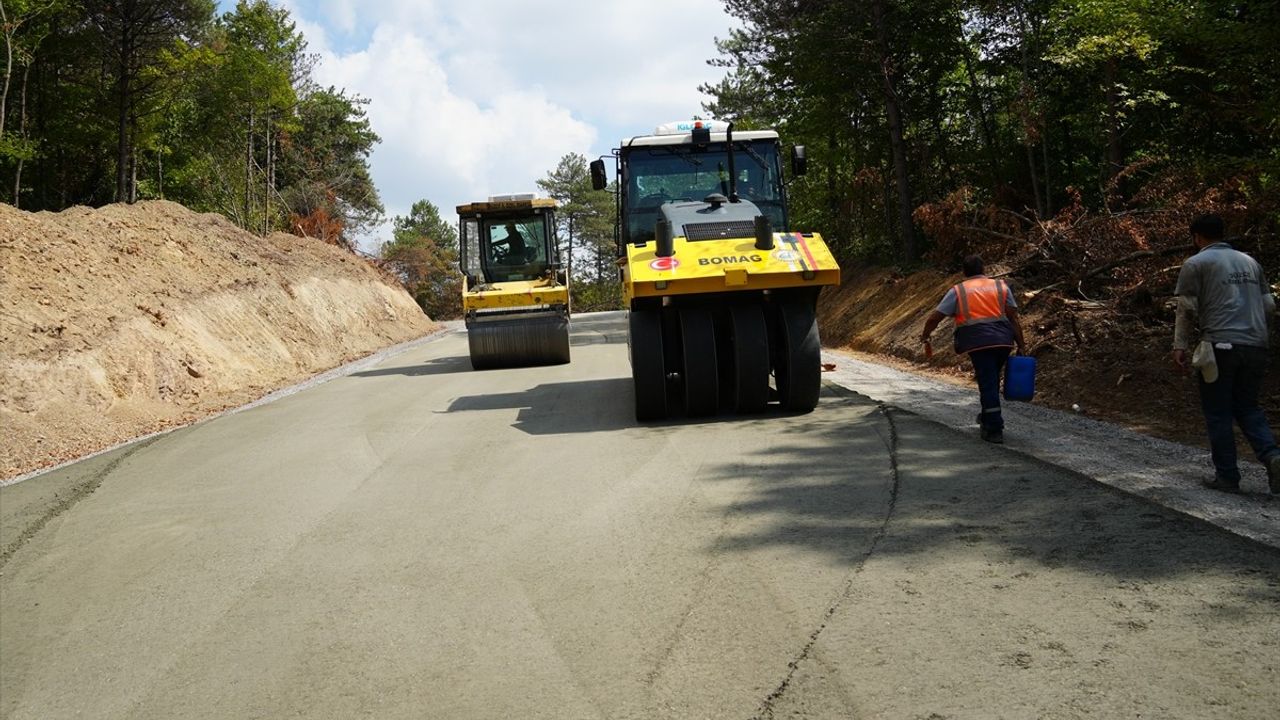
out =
column 64, row 504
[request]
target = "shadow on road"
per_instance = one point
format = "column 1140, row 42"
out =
column 581, row 406
column 827, row 489
column 563, row 407
column 435, row 366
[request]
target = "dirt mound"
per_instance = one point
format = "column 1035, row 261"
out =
column 124, row 320
column 1110, row 361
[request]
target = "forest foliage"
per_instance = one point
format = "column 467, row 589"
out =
column 1060, row 133
column 939, row 126
column 121, row 100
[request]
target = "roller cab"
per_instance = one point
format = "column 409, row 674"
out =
column 515, row 299
column 721, row 292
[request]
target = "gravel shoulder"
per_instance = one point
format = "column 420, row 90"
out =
column 1163, row 472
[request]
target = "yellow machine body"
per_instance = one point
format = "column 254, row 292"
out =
column 721, row 293
column 514, row 296
column 517, row 294
column 729, row 265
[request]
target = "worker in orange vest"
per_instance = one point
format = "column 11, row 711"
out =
column 987, row 330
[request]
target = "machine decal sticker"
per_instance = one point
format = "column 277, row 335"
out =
column 729, row 259
column 790, row 239
column 664, row 263
column 805, row 247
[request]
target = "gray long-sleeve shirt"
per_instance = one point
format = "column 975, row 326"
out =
column 1230, row 297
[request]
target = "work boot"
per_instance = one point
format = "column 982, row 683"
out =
column 1273, row 474
column 1221, row 485
column 993, row 436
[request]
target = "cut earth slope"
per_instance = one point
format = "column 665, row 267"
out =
column 126, row 320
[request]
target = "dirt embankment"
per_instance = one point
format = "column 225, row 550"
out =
column 125, row 320
column 1111, row 363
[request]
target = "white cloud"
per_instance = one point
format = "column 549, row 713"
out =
column 439, row 144
column 473, row 97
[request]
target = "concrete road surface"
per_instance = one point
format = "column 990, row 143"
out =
column 419, row 540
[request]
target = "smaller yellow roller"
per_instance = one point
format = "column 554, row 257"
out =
column 515, row 295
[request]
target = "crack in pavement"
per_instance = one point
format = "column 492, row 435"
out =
column 765, row 711
column 64, row 504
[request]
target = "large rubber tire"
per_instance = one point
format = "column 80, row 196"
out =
column 750, row 370
column 701, row 383
column 797, row 367
column 648, row 371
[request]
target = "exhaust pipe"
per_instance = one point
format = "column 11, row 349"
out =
column 764, row 233
column 664, row 239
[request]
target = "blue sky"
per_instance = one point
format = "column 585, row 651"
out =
column 476, row 97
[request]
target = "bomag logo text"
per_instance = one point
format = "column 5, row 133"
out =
column 729, row 260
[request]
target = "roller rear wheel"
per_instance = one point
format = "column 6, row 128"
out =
column 701, row 383
column 648, row 371
column 797, row 366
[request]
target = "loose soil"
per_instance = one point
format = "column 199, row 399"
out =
column 1112, row 364
column 125, row 320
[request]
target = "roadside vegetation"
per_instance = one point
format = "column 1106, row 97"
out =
column 1062, row 135
column 124, row 100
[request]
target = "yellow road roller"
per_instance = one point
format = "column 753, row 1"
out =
column 721, row 293
column 515, row 296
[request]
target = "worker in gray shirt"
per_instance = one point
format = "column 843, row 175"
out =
column 1225, row 292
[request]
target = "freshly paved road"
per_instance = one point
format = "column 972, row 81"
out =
column 421, row 540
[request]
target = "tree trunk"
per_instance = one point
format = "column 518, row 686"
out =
column 569, row 263
column 1048, row 188
column 988, row 134
column 1115, row 150
column 8, row 67
column 1035, row 180
column 833, row 201
column 266, row 192
column 122, row 126
column 897, row 142
column 133, row 159
column 1029, row 117
column 22, row 131
column 248, row 175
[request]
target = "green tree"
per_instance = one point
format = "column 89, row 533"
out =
column 24, row 24
column 423, row 252
column 324, row 168
column 1024, row 105
column 232, row 101
column 133, row 34
column 157, row 98
column 586, row 218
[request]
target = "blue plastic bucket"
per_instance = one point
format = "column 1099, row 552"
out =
column 1020, row 378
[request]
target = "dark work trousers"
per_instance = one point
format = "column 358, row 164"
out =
column 1234, row 397
column 988, row 365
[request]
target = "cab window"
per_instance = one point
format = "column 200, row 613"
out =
column 515, row 249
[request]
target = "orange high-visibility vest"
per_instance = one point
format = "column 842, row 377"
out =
column 981, row 300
